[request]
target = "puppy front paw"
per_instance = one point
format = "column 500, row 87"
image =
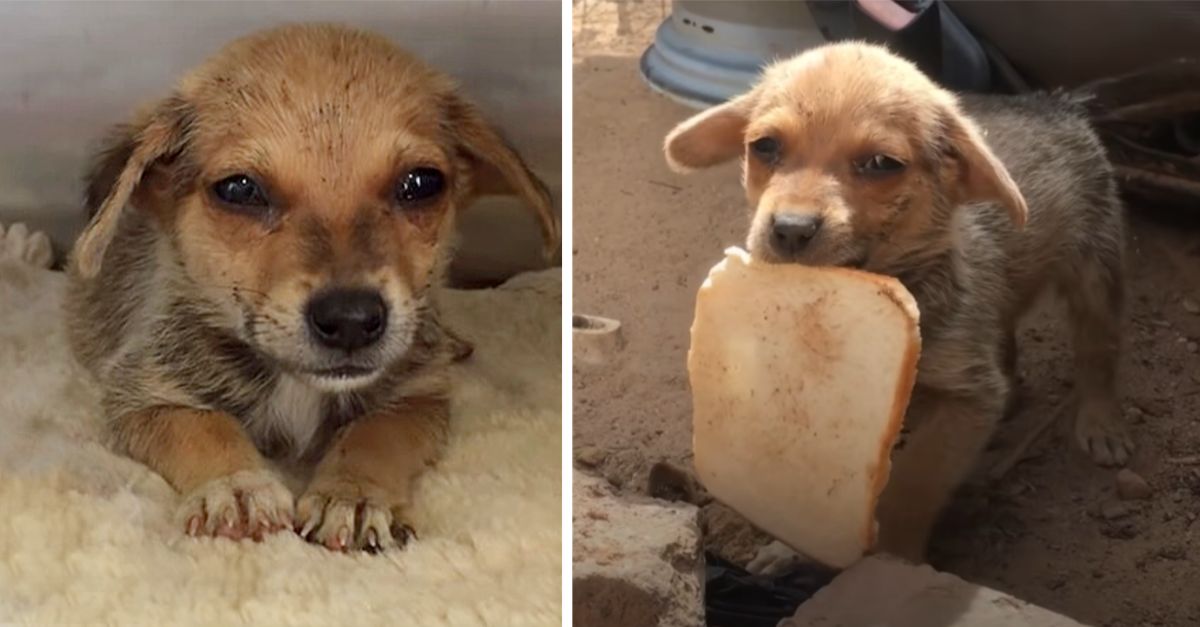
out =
column 246, row 504
column 343, row 516
column 1099, row 432
column 774, row 559
column 32, row 247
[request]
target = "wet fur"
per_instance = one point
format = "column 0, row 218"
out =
column 1002, row 199
column 190, row 315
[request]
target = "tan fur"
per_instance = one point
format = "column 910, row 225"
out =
column 188, row 447
column 998, row 199
column 191, row 313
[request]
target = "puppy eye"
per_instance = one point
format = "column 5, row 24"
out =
column 420, row 184
column 766, row 149
column 240, row 190
column 879, row 164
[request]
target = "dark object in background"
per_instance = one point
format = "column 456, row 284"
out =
column 1150, row 122
column 735, row 598
column 1148, row 114
column 928, row 33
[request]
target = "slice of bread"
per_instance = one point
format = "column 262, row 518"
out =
column 800, row 378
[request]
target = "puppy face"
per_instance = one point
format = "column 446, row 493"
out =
column 851, row 157
column 309, row 178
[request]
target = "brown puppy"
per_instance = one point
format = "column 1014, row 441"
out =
column 255, row 281
column 852, row 157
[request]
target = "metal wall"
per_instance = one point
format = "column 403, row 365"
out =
column 69, row 70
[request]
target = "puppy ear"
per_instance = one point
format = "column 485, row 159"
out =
column 118, row 169
column 499, row 169
column 982, row 177
column 710, row 137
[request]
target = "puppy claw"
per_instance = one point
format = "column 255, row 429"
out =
column 1107, row 450
column 372, row 543
column 245, row 504
column 331, row 521
column 402, row 533
column 342, row 539
column 1102, row 439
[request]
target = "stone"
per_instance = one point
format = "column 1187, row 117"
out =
column 595, row 340
column 883, row 591
column 590, row 456
column 1190, row 306
column 1131, row 486
column 637, row 561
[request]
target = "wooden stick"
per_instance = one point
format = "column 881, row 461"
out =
column 1019, row 452
column 1159, row 180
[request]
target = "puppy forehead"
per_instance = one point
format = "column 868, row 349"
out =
column 852, row 83
column 318, row 88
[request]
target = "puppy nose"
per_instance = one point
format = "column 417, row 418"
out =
column 347, row 319
column 791, row 232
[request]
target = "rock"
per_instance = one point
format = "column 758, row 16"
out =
column 590, row 456
column 1190, row 305
column 882, row 591
column 1193, row 347
column 1119, row 531
column 636, row 561
column 1174, row 552
column 1131, row 486
column 1113, row 510
column 595, row 340
column 1155, row 407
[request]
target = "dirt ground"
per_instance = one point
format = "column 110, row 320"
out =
column 1052, row 531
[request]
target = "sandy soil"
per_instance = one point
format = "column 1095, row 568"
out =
column 1051, row 531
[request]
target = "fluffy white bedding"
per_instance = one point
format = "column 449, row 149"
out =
column 86, row 537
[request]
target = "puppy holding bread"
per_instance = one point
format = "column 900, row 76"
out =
column 257, row 279
column 852, row 158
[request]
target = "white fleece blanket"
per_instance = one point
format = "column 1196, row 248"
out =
column 86, row 537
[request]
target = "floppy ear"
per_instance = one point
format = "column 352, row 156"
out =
column 500, row 170
column 710, row 137
column 983, row 178
column 118, row 169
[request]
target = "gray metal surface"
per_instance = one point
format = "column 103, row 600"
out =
column 708, row 51
column 69, row 70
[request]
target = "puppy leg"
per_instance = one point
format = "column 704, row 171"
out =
column 228, row 490
column 773, row 559
column 1008, row 352
column 1095, row 300
column 940, row 452
column 361, row 491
